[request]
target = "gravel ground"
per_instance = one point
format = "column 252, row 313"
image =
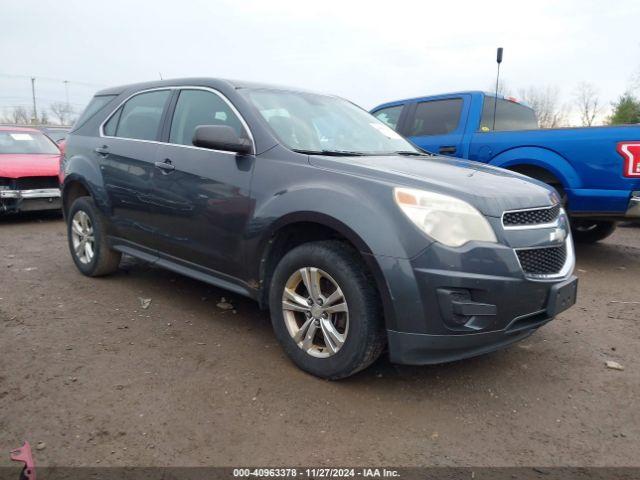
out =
column 104, row 382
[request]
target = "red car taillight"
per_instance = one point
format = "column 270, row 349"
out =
column 630, row 151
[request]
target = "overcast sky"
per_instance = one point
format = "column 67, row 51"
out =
column 369, row 52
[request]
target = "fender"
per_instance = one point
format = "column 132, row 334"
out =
column 543, row 158
column 323, row 206
column 88, row 174
column 315, row 201
column 321, row 219
column 336, row 225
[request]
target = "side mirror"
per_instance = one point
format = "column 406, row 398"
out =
column 220, row 137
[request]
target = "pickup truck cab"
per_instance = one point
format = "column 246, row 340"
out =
column 595, row 169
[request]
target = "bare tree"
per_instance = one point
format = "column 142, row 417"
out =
column 545, row 102
column 44, row 117
column 503, row 88
column 18, row 115
column 588, row 103
column 63, row 112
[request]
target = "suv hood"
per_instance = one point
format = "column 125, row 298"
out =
column 490, row 189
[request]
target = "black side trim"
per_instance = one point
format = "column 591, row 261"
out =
column 187, row 269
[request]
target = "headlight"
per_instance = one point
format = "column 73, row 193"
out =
column 446, row 219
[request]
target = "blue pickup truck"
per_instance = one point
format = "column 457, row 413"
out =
column 596, row 170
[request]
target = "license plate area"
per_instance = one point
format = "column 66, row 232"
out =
column 562, row 297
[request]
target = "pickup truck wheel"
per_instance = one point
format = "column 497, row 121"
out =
column 591, row 231
column 325, row 310
column 86, row 233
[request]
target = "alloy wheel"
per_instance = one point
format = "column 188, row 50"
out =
column 82, row 237
column 315, row 312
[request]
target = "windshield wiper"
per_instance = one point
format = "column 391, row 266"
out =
column 334, row 153
column 414, row 154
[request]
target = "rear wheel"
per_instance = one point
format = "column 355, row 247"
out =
column 86, row 231
column 325, row 310
column 591, row 231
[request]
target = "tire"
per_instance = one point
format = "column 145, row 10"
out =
column 591, row 231
column 84, row 216
column 343, row 274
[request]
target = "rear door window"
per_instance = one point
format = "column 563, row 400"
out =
column 140, row 117
column 509, row 116
column 200, row 107
column 390, row 115
column 436, row 117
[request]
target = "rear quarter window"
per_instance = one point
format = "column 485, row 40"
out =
column 94, row 106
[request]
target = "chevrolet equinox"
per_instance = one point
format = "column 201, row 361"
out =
column 354, row 239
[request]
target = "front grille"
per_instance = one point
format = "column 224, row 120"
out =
column 542, row 261
column 34, row 183
column 535, row 216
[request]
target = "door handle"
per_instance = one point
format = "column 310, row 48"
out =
column 103, row 151
column 447, row 150
column 166, row 166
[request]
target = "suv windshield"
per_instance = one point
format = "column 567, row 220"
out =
column 320, row 124
column 16, row 141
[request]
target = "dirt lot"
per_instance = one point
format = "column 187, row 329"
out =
column 102, row 381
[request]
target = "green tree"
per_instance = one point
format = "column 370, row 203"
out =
column 625, row 110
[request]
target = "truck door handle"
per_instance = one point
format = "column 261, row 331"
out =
column 166, row 166
column 103, row 151
column 447, row 150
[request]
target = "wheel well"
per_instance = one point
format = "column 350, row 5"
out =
column 538, row 173
column 73, row 191
column 288, row 238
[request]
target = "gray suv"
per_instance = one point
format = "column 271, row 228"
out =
column 354, row 239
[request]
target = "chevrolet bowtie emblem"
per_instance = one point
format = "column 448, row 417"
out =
column 558, row 235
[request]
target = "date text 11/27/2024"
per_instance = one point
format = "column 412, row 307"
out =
column 316, row 472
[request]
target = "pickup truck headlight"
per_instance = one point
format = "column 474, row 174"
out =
column 446, row 219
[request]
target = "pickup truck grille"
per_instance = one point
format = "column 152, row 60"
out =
column 542, row 261
column 532, row 217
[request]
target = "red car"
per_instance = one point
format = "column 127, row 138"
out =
column 29, row 165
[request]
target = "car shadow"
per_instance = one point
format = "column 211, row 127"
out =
column 251, row 320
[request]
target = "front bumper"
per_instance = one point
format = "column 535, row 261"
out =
column 12, row 201
column 426, row 349
column 453, row 303
column 633, row 209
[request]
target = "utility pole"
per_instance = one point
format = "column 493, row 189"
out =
column 66, row 91
column 34, row 118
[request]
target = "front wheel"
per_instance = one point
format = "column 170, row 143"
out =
column 325, row 310
column 591, row 231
